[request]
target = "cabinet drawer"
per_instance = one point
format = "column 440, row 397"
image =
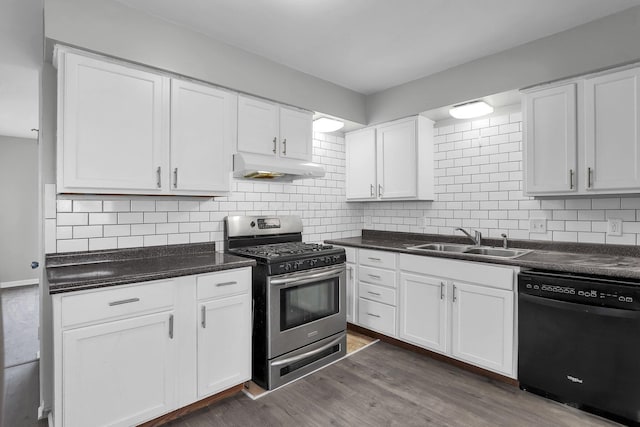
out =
column 377, row 276
column 377, row 316
column 224, row 283
column 377, row 293
column 117, row 302
column 377, row 258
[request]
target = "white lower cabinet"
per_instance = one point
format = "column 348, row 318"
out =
column 423, row 311
column 127, row 354
column 482, row 326
column 224, row 358
column 118, row 373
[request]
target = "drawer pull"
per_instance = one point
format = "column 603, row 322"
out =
column 226, row 284
column 454, row 293
column 374, row 293
column 373, row 315
column 374, row 259
column 441, row 290
column 374, row 276
column 171, row 326
column 124, row 301
column 204, row 316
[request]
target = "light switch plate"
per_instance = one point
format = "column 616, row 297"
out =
column 614, row 227
column 537, row 225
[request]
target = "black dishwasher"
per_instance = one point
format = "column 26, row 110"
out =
column 579, row 341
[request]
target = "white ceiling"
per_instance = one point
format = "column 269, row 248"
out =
column 371, row 45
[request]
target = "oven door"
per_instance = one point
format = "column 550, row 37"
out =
column 305, row 307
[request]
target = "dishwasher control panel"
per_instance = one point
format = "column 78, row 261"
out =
column 581, row 289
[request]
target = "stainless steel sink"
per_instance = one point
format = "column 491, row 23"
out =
column 468, row 249
column 441, row 247
column 499, row 252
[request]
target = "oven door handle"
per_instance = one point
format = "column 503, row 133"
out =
column 309, row 278
column 308, row 353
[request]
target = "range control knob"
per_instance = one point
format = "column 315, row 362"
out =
column 335, row 258
column 313, row 262
column 287, row 267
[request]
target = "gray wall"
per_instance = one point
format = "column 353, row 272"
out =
column 19, row 213
column 111, row 28
column 606, row 42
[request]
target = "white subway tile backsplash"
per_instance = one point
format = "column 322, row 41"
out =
column 142, row 229
column 73, row 245
column 130, row 242
column 116, row 206
column 64, row 206
column 86, row 231
column 155, row 240
column 166, row 205
column 117, row 230
column 103, row 218
column 87, row 205
column 73, row 218
column 176, row 239
column 155, row 217
column 143, row 205
column 130, row 217
column 103, row 243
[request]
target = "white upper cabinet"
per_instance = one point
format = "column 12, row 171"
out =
column 612, row 144
column 583, row 137
column 551, row 140
column 296, row 133
column 112, row 123
column 273, row 130
column 257, row 126
column 361, row 181
column 203, row 129
column 125, row 130
column 397, row 160
column 392, row 161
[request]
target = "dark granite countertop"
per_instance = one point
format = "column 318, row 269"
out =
column 98, row 269
column 602, row 260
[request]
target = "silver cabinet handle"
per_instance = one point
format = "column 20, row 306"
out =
column 372, row 190
column 454, row 293
column 571, row 179
column 441, row 290
column 226, row 284
column 171, row 326
column 203, row 322
column 373, row 293
column 124, row 301
column 284, row 146
column 374, row 276
column 380, row 192
column 175, row 178
column 275, row 144
column 373, row 315
column 589, row 174
column 374, row 259
column 350, row 269
column 159, row 181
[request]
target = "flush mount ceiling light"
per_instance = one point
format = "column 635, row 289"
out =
column 325, row 124
column 471, row 110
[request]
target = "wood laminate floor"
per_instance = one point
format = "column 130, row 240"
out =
column 384, row 385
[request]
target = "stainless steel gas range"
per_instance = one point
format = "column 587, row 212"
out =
column 299, row 312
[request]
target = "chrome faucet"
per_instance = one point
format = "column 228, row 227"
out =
column 477, row 240
column 505, row 242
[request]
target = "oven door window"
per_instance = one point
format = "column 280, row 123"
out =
column 306, row 303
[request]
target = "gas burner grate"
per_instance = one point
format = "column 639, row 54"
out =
column 283, row 249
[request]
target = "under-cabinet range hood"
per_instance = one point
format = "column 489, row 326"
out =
column 256, row 166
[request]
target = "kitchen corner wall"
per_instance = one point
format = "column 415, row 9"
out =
column 108, row 222
column 478, row 175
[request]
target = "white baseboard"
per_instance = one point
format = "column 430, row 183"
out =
column 17, row 283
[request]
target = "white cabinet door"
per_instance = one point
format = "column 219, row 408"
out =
column 352, row 295
column 203, row 127
column 296, row 133
column 257, row 126
column 111, row 127
column 423, row 311
column 482, row 327
column 612, row 119
column 551, row 141
column 224, row 344
column 361, row 165
column 118, row 373
column 397, row 160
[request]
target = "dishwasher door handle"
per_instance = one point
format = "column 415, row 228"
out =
column 582, row 308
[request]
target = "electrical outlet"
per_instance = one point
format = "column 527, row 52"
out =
column 614, row 227
column 537, row 225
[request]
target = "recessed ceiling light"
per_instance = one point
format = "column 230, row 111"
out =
column 471, row 110
column 325, row 124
